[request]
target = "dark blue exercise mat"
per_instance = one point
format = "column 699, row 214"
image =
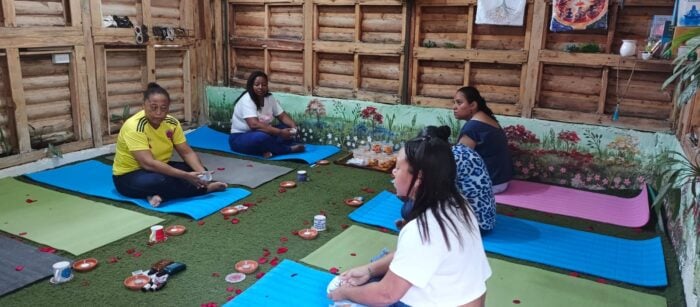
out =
column 207, row 138
column 22, row 264
column 638, row 262
column 95, row 178
column 287, row 284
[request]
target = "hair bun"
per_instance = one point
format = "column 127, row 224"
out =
column 444, row 132
column 153, row 85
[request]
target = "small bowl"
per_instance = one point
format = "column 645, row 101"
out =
column 354, row 202
column 228, row 211
column 308, row 233
column 85, row 265
column 136, row 282
column 323, row 162
column 246, row 266
column 175, row 230
column 288, row 184
column 234, row 278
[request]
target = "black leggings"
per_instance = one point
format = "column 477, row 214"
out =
column 142, row 183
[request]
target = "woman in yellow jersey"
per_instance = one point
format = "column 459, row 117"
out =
column 142, row 166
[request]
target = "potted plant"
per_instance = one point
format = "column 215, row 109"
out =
column 686, row 71
column 674, row 171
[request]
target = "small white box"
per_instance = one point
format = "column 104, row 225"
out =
column 60, row 58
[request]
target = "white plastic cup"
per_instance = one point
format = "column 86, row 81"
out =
column 320, row 222
column 62, row 272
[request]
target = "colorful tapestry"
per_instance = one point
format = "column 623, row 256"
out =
column 688, row 14
column 502, row 12
column 570, row 15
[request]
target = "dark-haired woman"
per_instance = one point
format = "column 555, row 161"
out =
column 252, row 131
column 483, row 133
column 439, row 258
column 142, row 166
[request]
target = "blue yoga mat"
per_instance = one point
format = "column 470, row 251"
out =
column 207, row 138
column 95, row 178
column 287, row 284
column 638, row 262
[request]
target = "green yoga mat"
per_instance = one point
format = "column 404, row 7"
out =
column 509, row 285
column 64, row 221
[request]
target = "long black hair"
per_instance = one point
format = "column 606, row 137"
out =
column 154, row 89
column 249, row 89
column 431, row 158
column 472, row 94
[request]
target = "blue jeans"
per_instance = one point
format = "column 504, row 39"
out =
column 257, row 143
column 142, row 183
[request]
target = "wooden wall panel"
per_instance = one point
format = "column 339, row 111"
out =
column 336, row 23
column 167, row 13
column 286, row 71
column 8, row 139
column 286, row 22
column 497, row 83
column 128, row 8
column 248, row 20
column 570, row 88
column 381, row 24
column 40, row 13
column 170, row 75
column 439, row 79
column 380, row 78
column 498, row 37
column 48, row 100
column 446, row 26
column 126, row 79
column 643, row 98
column 246, row 61
column 335, row 75
column 633, row 23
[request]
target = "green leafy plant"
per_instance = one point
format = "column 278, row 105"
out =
column 584, row 48
column 686, row 70
column 674, row 171
column 53, row 151
column 450, row 45
column 5, row 147
column 429, row 44
column 124, row 116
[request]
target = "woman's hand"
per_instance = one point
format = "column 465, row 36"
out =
column 286, row 133
column 338, row 294
column 355, row 277
column 193, row 178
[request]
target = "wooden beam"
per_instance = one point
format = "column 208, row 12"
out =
column 146, row 15
column 473, row 55
column 467, row 73
column 8, row 9
column 101, row 111
column 353, row 2
column 613, row 12
column 309, row 26
column 38, row 154
column 80, row 100
column 602, row 59
column 76, row 18
column 187, row 77
column 272, row 44
column 445, row 103
column 470, row 26
column 90, row 75
column 602, row 97
column 524, row 67
column 14, row 70
column 151, row 63
column 40, row 42
column 218, row 41
column 95, row 13
column 636, row 123
column 351, row 48
column 357, row 78
column 538, row 33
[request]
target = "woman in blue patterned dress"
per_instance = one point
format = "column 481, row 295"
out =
column 473, row 179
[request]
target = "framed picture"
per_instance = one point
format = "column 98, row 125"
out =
column 658, row 23
column 688, row 13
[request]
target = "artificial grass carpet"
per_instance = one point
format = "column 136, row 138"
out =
column 22, row 264
column 63, row 221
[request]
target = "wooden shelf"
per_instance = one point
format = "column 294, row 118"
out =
column 604, row 60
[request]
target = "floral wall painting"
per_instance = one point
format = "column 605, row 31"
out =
column 570, row 15
column 500, row 12
column 688, row 14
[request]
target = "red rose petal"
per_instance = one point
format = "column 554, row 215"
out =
column 47, row 249
column 19, row 268
column 130, row 251
column 220, row 168
column 353, row 254
column 516, row 301
column 601, row 280
column 226, row 217
column 344, row 226
column 284, row 239
column 262, row 260
column 235, row 221
column 137, row 254
column 509, row 214
column 574, row 274
column 200, row 223
column 113, row 260
column 274, row 261
column 249, row 165
column 590, row 228
column 238, row 291
column 230, row 289
column 334, row 270
column 306, row 223
column 637, row 230
column 24, row 233
column 282, row 190
column 383, row 229
column 322, row 212
column 215, row 274
column 259, row 275
column 282, row 250
column 266, row 252
column 229, row 298
column 295, row 232
column 29, row 200
column 370, row 191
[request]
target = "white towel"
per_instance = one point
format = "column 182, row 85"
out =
column 500, row 12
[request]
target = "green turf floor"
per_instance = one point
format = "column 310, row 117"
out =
column 211, row 249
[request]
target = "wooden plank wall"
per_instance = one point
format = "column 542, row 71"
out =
column 359, row 49
column 72, row 105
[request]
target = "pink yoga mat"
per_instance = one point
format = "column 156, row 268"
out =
column 629, row 212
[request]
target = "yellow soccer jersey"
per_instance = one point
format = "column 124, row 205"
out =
column 138, row 134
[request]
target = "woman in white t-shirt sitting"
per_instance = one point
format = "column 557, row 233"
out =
column 439, row 259
column 252, row 131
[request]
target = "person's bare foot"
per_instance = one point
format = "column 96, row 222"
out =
column 297, row 148
column 216, row 186
column 267, row 155
column 154, row 200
